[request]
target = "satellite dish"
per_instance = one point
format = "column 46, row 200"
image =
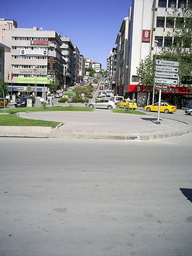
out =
column 41, row 28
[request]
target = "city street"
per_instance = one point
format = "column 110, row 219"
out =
column 96, row 197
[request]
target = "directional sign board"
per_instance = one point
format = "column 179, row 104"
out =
column 165, row 81
column 166, row 69
column 167, row 63
column 166, row 75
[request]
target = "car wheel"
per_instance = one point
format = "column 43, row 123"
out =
column 109, row 107
column 166, row 111
column 148, row 109
column 191, row 113
column 125, row 107
column 91, row 106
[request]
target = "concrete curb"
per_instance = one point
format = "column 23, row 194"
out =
column 48, row 132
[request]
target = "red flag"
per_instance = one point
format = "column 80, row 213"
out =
column 8, row 76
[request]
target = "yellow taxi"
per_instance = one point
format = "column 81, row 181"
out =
column 127, row 104
column 3, row 102
column 164, row 107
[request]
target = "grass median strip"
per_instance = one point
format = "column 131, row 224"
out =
column 14, row 120
column 128, row 111
column 58, row 108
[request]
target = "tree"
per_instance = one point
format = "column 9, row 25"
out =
column 145, row 72
column 91, row 71
column 3, row 88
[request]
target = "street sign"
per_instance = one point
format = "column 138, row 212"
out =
column 166, row 69
column 161, row 87
column 166, row 75
column 167, row 63
column 165, row 81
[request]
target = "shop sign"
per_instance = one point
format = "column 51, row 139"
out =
column 33, row 80
column 166, row 89
column 39, row 42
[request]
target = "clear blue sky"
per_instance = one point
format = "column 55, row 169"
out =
column 91, row 25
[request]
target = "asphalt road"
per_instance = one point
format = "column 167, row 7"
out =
column 95, row 197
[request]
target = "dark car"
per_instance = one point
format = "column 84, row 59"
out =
column 189, row 110
column 22, row 102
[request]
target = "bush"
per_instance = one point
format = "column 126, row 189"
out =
column 62, row 100
column 77, row 100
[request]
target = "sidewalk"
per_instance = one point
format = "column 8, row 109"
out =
column 99, row 124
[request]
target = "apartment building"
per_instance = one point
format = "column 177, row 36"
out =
column 96, row 66
column 34, row 63
column 68, row 55
column 122, row 56
column 111, row 69
column 150, row 24
column 3, row 48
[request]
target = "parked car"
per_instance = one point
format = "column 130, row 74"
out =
column 117, row 98
column 127, row 103
column 3, row 102
column 107, row 104
column 22, row 102
column 109, row 93
column 189, row 110
column 164, row 107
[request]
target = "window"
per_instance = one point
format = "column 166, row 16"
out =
column 169, row 23
column 179, row 22
column 134, row 78
column 172, row 3
column 159, row 41
column 160, row 22
column 181, row 3
column 168, row 41
column 186, row 43
column 177, row 41
column 162, row 3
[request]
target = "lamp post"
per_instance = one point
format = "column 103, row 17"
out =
column 153, row 96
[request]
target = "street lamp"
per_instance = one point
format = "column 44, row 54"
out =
column 153, row 96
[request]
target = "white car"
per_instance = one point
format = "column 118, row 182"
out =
column 107, row 104
column 109, row 93
column 117, row 98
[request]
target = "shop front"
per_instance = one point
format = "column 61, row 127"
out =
column 179, row 96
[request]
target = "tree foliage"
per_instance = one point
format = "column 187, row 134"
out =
column 91, row 71
column 3, row 88
column 145, row 72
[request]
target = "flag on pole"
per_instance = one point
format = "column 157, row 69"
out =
column 8, row 76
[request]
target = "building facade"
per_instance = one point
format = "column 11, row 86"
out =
column 34, row 63
column 151, row 24
column 122, row 56
column 111, row 69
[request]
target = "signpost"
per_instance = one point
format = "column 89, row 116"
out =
column 166, row 73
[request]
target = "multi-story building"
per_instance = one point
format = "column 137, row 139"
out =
column 34, row 63
column 77, row 64
column 111, row 69
column 96, row 66
column 68, row 53
column 122, row 56
column 81, row 67
column 3, row 48
column 150, row 25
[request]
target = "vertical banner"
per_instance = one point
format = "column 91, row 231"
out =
column 146, row 34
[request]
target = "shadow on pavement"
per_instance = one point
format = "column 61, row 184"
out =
column 187, row 192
